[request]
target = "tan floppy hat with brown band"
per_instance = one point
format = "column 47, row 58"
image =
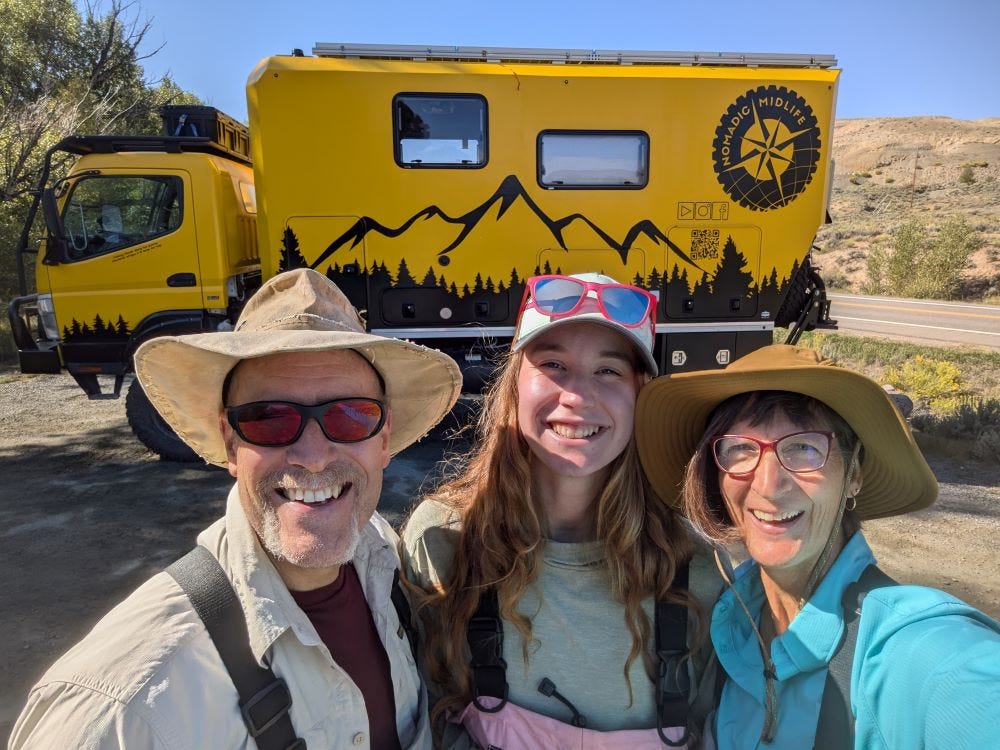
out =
column 296, row 311
column 672, row 413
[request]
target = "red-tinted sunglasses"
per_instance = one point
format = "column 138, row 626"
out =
column 273, row 424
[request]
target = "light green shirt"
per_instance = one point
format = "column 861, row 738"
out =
column 580, row 640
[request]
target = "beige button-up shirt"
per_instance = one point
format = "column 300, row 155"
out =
column 148, row 675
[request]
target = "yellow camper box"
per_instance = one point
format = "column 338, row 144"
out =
column 429, row 183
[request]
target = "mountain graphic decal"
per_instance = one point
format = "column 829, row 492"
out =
column 506, row 195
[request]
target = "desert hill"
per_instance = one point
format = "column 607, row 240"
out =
column 890, row 170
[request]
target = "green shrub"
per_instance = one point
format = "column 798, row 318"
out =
column 935, row 383
column 965, row 176
column 836, row 280
column 917, row 262
column 976, row 422
column 8, row 352
column 987, row 445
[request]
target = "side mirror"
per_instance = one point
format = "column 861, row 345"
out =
column 55, row 241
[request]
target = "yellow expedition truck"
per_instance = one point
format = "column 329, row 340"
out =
column 429, row 183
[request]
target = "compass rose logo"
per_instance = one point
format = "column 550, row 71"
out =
column 766, row 147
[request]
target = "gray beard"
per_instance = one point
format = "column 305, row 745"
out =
column 270, row 538
column 322, row 555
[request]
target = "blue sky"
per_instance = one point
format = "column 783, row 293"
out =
column 899, row 57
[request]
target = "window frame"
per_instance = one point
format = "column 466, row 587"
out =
column 76, row 255
column 397, row 146
column 641, row 134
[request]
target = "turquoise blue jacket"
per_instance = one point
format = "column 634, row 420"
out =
column 926, row 668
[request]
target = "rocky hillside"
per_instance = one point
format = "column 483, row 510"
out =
column 890, row 170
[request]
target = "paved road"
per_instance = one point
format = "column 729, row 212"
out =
column 938, row 322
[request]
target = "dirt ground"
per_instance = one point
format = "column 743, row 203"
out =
column 86, row 515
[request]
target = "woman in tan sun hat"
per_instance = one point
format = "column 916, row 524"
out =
column 786, row 453
column 548, row 558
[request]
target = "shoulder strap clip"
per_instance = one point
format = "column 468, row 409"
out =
column 673, row 684
column 485, row 636
column 264, row 698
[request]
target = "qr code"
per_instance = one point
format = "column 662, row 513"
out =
column 704, row 243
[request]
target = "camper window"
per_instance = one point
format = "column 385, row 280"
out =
column 593, row 159
column 439, row 130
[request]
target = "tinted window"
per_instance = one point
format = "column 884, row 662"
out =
column 104, row 214
column 439, row 131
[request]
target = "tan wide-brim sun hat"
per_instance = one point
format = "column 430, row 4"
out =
column 672, row 413
column 296, row 311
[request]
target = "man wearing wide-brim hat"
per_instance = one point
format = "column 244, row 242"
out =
column 305, row 410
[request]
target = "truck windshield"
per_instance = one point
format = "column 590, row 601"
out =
column 107, row 213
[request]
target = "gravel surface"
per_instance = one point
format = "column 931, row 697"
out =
column 87, row 514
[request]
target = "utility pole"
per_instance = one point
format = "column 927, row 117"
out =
column 913, row 182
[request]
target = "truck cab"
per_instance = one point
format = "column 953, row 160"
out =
column 146, row 236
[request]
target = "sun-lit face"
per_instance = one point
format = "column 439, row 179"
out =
column 785, row 518
column 308, row 541
column 577, row 387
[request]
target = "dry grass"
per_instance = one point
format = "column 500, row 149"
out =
column 892, row 170
column 979, row 370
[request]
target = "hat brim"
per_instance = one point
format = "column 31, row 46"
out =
column 183, row 377
column 645, row 356
column 672, row 414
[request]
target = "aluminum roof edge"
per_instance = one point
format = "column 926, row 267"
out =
column 575, row 56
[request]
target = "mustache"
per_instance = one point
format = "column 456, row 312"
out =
column 301, row 479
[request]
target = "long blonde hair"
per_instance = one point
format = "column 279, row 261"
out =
column 501, row 542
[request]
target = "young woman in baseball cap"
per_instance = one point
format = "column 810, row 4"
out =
column 562, row 598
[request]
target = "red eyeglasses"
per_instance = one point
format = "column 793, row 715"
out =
column 273, row 424
column 799, row 452
column 560, row 296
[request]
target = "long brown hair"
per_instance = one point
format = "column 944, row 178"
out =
column 502, row 537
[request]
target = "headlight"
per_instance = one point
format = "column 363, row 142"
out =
column 47, row 316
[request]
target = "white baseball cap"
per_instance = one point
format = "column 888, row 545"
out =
column 533, row 321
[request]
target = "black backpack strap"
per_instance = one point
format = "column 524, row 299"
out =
column 485, row 636
column 264, row 698
column 402, row 606
column 673, row 684
column 835, row 727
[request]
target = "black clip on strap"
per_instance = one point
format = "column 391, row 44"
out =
column 673, row 683
column 402, row 607
column 264, row 698
column 485, row 636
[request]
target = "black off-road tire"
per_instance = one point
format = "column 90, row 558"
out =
column 799, row 295
column 152, row 430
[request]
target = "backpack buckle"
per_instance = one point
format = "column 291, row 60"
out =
column 273, row 702
column 673, row 680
